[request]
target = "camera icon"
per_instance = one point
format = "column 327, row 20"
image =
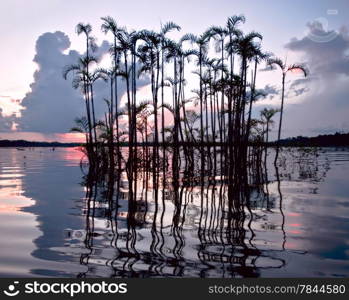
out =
column 319, row 30
column 12, row 290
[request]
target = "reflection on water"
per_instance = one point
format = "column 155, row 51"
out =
column 54, row 223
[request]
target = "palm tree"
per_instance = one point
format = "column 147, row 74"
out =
column 90, row 40
column 82, row 126
column 150, row 57
column 267, row 115
column 92, row 77
column 86, row 29
column 111, row 75
column 173, row 53
column 202, row 44
column 232, row 32
column 168, row 27
column 177, row 53
column 127, row 45
column 110, row 25
column 284, row 69
column 81, row 80
column 246, row 48
column 258, row 57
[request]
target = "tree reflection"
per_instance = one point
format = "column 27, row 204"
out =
column 181, row 223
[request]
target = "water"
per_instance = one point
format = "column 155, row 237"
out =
column 52, row 224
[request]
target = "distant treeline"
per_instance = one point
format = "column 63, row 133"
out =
column 337, row 139
column 23, row 143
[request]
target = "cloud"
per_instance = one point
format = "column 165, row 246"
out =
column 299, row 86
column 270, row 91
column 271, row 98
column 326, row 57
column 324, row 105
column 6, row 123
column 52, row 104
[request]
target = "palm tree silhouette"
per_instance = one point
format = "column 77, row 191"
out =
column 165, row 47
column 202, row 44
column 110, row 25
column 267, row 115
column 86, row 29
column 81, row 80
column 232, row 32
column 284, row 69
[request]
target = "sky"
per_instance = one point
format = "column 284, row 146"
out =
column 38, row 39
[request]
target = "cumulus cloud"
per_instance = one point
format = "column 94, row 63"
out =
column 52, row 104
column 325, row 105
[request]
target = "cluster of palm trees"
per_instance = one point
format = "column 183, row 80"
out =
column 211, row 111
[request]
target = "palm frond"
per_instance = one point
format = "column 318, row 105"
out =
column 297, row 67
column 83, row 28
column 188, row 37
column 169, row 26
column 276, row 61
column 234, row 21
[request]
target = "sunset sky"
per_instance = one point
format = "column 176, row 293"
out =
column 38, row 39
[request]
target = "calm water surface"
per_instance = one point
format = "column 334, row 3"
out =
column 53, row 225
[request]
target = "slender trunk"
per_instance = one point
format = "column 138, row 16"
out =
column 251, row 101
column 266, row 143
column 93, row 114
column 116, row 103
column 201, row 108
column 179, row 102
column 162, row 98
column 206, row 114
column 280, row 122
column 175, row 104
column 129, row 110
column 222, row 99
column 87, row 85
column 111, row 126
